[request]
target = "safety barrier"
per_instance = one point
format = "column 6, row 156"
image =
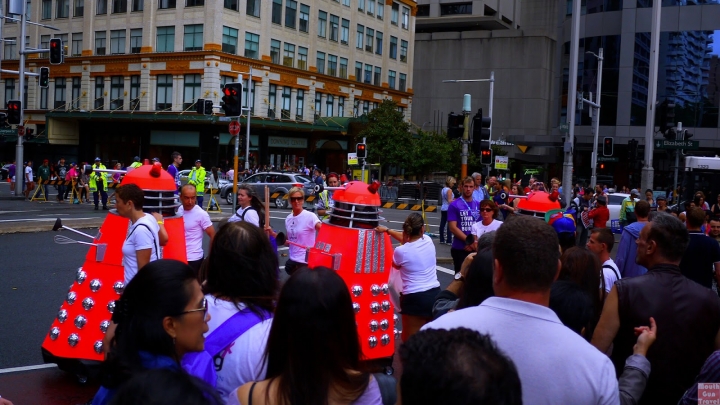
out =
column 69, row 183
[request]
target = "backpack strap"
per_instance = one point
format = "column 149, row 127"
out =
column 232, row 329
column 157, row 247
column 607, row 266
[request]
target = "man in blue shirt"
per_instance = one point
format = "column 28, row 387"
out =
column 479, row 193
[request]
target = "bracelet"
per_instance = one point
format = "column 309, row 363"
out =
column 161, row 222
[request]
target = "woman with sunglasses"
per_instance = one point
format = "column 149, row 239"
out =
column 487, row 223
column 313, row 351
column 240, row 277
column 161, row 316
column 415, row 259
column 300, row 226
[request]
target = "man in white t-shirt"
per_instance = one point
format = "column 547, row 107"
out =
column 300, row 226
column 197, row 221
column 29, row 179
column 601, row 242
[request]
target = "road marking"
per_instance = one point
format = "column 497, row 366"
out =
column 444, row 270
column 13, row 212
column 44, row 219
column 51, row 215
column 26, row 368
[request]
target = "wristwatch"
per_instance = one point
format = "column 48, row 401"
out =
column 459, row 276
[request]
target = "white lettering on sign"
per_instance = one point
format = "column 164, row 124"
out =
column 283, row 142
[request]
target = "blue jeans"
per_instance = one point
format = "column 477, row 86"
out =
column 444, row 227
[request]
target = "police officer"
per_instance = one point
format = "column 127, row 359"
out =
column 101, row 177
column 136, row 163
column 325, row 200
column 197, row 179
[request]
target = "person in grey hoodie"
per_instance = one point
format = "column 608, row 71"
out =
column 625, row 258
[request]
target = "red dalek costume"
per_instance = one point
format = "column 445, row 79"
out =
column 74, row 341
column 348, row 243
column 537, row 203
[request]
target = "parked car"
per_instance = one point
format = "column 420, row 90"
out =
column 614, row 203
column 4, row 171
column 183, row 174
column 278, row 182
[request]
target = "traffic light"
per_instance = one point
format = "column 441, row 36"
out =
column 56, row 51
column 14, row 111
column 688, row 135
column 670, row 115
column 3, row 120
column 632, row 150
column 29, row 134
column 44, row 77
column 200, row 106
column 231, row 99
column 607, row 146
column 455, row 125
column 208, row 107
column 361, row 150
column 486, row 156
column 481, row 126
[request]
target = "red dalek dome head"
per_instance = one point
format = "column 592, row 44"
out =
column 538, row 203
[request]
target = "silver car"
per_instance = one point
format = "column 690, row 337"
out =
column 279, row 183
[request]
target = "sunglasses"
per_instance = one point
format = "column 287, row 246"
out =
column 296, row 198
column 486, row 210
column 203, row 308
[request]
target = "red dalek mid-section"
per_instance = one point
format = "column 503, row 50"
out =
column 348, row 243
column 74, row 341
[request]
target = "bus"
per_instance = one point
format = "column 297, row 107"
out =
column 701, row 174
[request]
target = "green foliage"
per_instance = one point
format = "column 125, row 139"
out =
column 432, row 152
column 388, row 135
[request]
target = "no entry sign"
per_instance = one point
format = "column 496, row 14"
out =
column 234, row 128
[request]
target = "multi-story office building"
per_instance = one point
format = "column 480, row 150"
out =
column 133, row 70
column 526, row 44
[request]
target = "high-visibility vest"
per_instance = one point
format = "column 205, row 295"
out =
column 135, row 165
column 197, row 179
column 94, row 177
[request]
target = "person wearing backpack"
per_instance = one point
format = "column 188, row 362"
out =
column 250, row 209
column 601, row 242
column 240, row 280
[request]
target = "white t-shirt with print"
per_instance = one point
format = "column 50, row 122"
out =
column 143, row 234
column 301, row 230
column 609, row 275
column 197, row 220
column 478, row 229
column 243, row 359
column 251, row 216
column 417, row 263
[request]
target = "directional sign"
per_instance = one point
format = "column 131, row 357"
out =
column 234, row 128
column 564, row 127
column 8, row 131
column 607, row 159
column 670, row 144
column 352, row 158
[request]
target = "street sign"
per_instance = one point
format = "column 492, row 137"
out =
column 670, row 144
column 564, row 127
column 21, row 130
column 607, row 159
column 234, row 128
column 501, row 162
column 8, row 131
column 352, row 158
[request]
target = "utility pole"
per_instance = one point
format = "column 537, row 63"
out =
column 596, row 118
column 679, row 135
column 467, row 100
column 648, row 172
column 362, row 172
column 571, row 104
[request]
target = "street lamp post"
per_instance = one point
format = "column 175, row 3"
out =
column 463, row 169
column 596, row 118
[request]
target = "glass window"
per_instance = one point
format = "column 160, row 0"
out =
column 99, row 102
column 9, row 89
column 285, row 110
column 64, row 39
column 191, row 90
column 318, row 103
column 458, row 8
column 380, row 9
column 10, row 48
column 322, row 23
column 343, row 68
column 194, row 3
column 164, row 92
column 135, row 40
column 334, row 27
column 166, row 4
column 366, row 107
column 290, row 13
column 101, row 7
column 79, row 8
column 370, row 39
column 59, row 93
column 332, row 65
column 405, row 17
column 341, row 106
column 402, row 82
column 231, row 5
column 277, row 12
column 361, row 5
column 166, row 39
column 345, row 32
column 360, row 36
column 119, row 6
column 252, row 45
column 289, row 55
column 358, row 71
column 329, row 101
column 138, row 5
column 193, row 37
column 46, row 9
column 302, row 58
column 134, row 92
column 117, row 42
column 63, row 9
column 370, row 5
column 275, row 51
column 229, row 40
column 321, row 62
column 403, row 50
column 100, row 37
column 304, row 18
column 272, row 100
column 346, row 3
column 423, row 10
column 251, row 101
column 395, row 10
column 378, row 42
column 45, row 41
column 253, row 8
column 393, row 47
column 391, row 79
column 76, row 44
column 368, row 74
column 378, row 75
column 117, row 90
column 299, row 104
column 44, row 98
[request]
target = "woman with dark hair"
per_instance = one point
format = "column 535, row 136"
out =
column 582, row 267
column 250, row 208
column 313, row 353
column 146, row 233
column 416, row 261
column 161, row 316
column 241, row 277
column 478, row 284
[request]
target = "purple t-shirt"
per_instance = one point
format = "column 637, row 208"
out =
column 11, row 171
column 465, row 214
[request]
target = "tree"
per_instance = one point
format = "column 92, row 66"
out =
column 432, row 152
column 388, row 135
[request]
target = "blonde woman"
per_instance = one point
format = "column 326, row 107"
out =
column 446, row 198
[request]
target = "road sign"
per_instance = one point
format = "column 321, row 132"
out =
column 352, row 158
column 607, row 159
column 501, row 162
column 234, row 128
column 670, row 144
column 21, row 130
column 8, row 131
column 564, row 127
